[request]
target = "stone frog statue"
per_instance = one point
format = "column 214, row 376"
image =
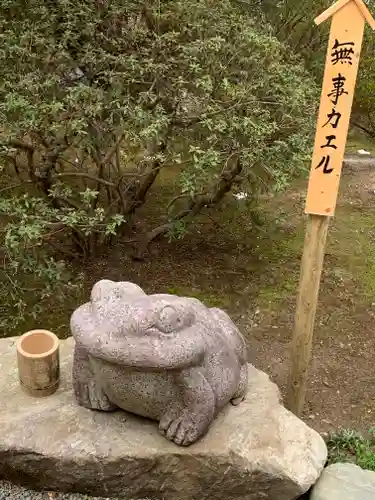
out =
column 163, row 357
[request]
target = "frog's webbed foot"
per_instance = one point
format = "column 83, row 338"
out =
column 87, row 391
column 183, row 427
column 96, row 398
column 187, row 420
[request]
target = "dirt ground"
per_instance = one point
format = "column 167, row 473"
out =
column 253, row 274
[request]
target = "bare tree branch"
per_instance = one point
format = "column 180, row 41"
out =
column 86, row 176
column 196, row 204
column 21, row 145
column 15, row 186
column 364, row 129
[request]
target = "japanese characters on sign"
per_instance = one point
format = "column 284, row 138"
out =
column 342, row 53
column 336, row 101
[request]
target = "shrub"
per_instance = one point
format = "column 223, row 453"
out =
column 97, row 99
column 347, row 445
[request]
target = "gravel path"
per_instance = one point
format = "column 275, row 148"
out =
column 9, row 491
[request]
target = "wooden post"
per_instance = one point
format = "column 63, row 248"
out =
column 311, row 270
column 340, row 75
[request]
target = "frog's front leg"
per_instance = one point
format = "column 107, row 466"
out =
column 189, row 418
column 87, row 391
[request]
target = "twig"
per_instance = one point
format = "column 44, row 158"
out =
column 113, row 150
column 176, row 198
column 364, row 129
column 87, row 176
column 21, row 145
column 66, row 252
column 118, row 160
column 14, row 186
column 13, row 161
column 72, row 203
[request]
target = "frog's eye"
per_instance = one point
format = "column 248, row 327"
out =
column 169, row 320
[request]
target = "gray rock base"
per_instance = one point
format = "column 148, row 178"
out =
column 345, row 482
column 255, row 451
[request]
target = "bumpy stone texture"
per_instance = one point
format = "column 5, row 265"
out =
column 163, row 357
column 345, row 482
column 254, row 451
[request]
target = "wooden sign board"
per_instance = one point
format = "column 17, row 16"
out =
column 344, row 47
column 340, row 75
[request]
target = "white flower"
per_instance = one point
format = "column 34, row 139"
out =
column 363, row 152
column 240, row 196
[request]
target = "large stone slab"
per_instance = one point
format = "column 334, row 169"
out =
column 257, row 450
column 345, row 482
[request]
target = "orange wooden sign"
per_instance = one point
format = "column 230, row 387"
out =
column 344, row 48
